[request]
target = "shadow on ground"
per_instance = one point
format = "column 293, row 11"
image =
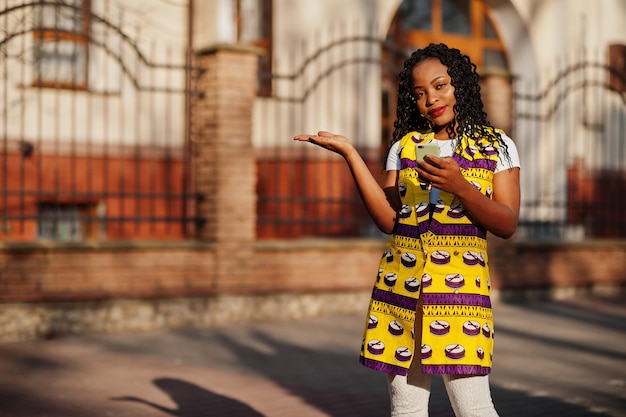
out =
column 336, row 385
column 302, row 359
column 194, row 401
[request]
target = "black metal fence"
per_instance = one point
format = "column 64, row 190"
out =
column 94, row 144
column 93, row 117
column 570, row 133
column 571, row 136
column 340, row 82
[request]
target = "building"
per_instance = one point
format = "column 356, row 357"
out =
column 147, row 157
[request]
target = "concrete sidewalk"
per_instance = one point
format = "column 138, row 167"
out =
column 564, row 358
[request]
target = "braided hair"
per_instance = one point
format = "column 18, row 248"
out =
column 469, row 116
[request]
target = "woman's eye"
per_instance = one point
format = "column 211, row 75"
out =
column 440, row 86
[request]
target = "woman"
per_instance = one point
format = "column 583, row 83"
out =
column 430, row 311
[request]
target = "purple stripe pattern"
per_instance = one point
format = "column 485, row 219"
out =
column 439, row 229
column 407, row 163
column 383, row 367
column 457, row 229
column 476, row 163
column 455, row 369
column 474, row 300
column 463, row 163
column 407, row 230
column 394, row 299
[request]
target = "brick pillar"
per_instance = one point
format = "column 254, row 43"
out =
column 224, row 161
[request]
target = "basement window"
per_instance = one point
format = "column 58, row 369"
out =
column 68, row 221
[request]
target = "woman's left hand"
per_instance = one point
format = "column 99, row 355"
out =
column 442, row 173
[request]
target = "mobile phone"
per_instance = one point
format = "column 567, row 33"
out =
column 421, row 150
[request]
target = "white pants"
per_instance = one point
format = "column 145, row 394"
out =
column 469, row 395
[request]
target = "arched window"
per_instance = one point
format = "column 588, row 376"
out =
column 463, row 24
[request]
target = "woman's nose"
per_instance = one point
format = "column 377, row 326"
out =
column 432, row 97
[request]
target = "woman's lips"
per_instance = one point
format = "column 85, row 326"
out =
column 437, row 112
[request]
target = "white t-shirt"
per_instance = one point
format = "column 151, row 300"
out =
column 446, row 148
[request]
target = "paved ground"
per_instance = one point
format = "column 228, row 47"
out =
column 552, row 359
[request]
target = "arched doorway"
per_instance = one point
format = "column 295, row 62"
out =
column 464, row 24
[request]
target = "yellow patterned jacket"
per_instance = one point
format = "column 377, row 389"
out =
column 435, row 261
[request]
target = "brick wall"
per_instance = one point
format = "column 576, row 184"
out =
column 34, row 272
column 83, row 272
column 48, row 291
column 595, row 199
column 585, row 264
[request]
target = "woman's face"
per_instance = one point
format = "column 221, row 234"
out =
column 434, row 94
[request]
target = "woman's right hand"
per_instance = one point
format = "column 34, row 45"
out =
column 378, row 203
column 336, row 143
